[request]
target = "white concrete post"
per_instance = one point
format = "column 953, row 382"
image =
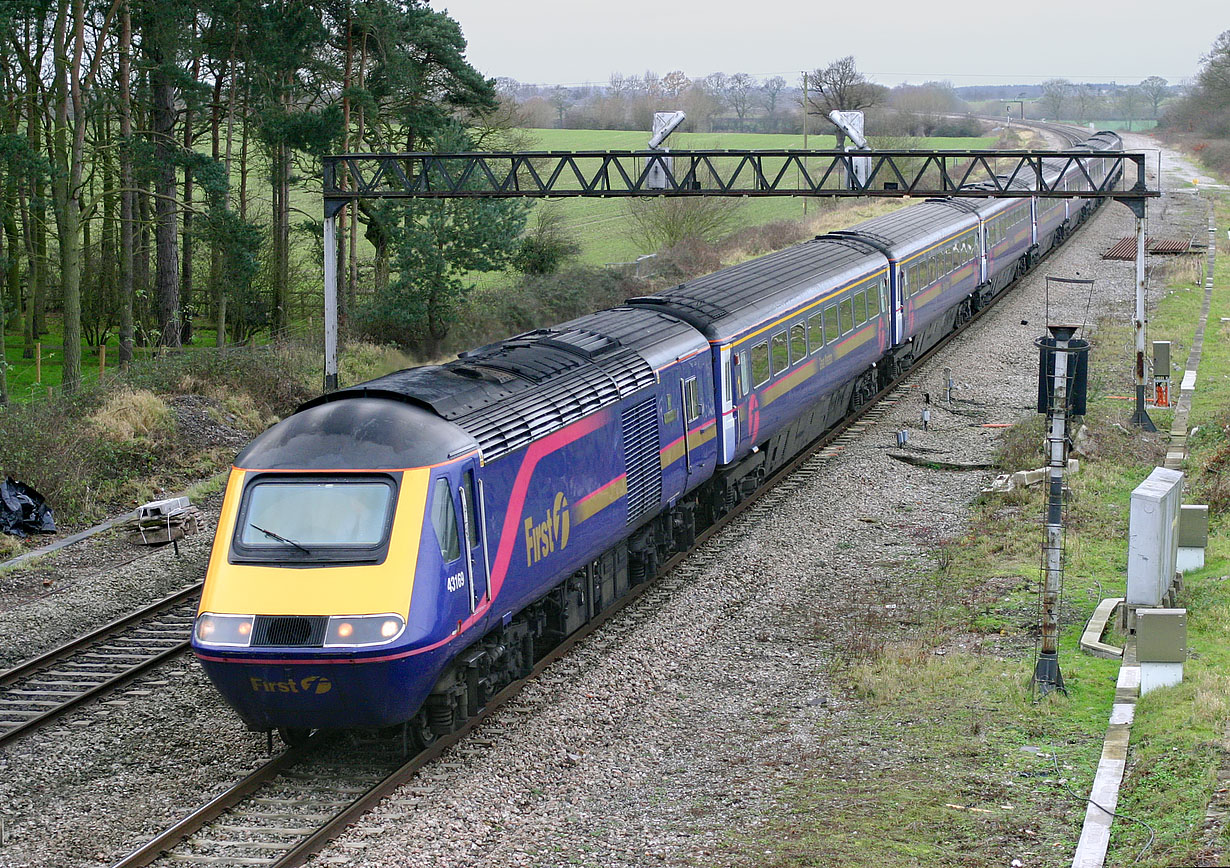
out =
column 330, row 302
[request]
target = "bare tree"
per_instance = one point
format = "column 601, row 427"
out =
column 1055, row 93
column 1214, row 76
column 841, row 87
column 653, row 84
column 717, row 86
column 739, row 90
column 654, row 224
column 675, row 83
column 1129, row 103
column 1087, row 99
column 1154, row 90
column 923, row 106
column 772, row 90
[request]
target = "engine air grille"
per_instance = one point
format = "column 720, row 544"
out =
column 306, row 631
column 642, row 459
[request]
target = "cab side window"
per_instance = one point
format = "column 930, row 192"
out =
column 691, row 400
column 669, row 414
column 467, row 503
column 444, row 520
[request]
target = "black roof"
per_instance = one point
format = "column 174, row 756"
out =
column 509, row 393
column 901, row 232
column 365, row 433
column 724, row 302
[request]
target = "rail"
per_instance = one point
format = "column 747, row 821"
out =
column 43, row 688
column 283, row 839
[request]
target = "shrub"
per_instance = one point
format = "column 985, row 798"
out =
column 547, row 245
column 130, row 413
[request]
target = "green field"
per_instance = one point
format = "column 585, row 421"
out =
column 599, row 223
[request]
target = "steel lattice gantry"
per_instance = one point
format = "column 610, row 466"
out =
column 603, row 174
column 818, row 173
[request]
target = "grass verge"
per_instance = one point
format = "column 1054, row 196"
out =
column 945, row 757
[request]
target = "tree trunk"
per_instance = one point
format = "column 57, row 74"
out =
column 141, row 270
column 166, row 233
column 186, row 276
column 107, row 253
column 127, row 193
column 11, row 252
column 66, row 179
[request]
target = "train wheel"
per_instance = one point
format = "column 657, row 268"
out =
column 421, row 731
column 294, row 736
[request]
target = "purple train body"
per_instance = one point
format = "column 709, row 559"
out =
column 398, row 551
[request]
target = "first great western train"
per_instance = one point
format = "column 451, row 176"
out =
column 396, row 552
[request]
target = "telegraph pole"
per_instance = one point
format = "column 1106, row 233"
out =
column 805, row 132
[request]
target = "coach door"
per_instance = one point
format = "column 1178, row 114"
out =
column 743, row 400
column 471, row 507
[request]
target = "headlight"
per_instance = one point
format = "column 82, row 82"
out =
column 233, row 630
column 355, row 630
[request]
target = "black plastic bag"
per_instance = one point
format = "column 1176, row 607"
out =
column 23, row 510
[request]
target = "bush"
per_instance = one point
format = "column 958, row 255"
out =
column 547, row 245
column 958, row 128
column 536, row 301
column 129, row 414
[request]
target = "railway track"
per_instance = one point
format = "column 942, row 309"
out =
column 42, row 689
column 293, row 805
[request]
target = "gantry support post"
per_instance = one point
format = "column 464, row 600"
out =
column 332, row 209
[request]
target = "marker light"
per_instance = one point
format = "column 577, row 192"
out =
column 354, row 631
column 233, row 630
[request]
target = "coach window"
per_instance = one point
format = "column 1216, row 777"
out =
column 798, row 343
column 691, row 399
column 444, row 519
column 860, row 308
column 815, row 331
column 760, row 363
column 831, row 332
column 847, row 323
column 883, row 295
column 781, row 356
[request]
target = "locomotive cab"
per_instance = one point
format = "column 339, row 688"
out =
column 349, row 534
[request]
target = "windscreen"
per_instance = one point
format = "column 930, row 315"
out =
column 315, row 514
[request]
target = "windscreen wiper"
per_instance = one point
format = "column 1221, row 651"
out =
column 280, row 538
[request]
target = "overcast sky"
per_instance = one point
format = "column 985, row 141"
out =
column 993, row 42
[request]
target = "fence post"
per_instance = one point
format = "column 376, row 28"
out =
column 102, row 361
column 38, row 364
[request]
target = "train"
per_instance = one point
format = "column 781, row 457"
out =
column 394, row 553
